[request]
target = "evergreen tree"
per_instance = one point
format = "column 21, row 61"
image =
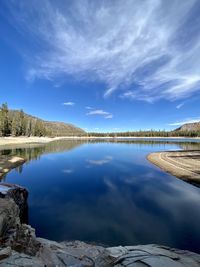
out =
column 22, row 123
column 5, row 123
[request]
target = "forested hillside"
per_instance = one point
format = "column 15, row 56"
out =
column 18, row 123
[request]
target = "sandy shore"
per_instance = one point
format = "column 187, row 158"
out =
column 182, row 164
column 27, row 140
column 42, row 140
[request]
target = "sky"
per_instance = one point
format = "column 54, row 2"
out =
column 107, row 65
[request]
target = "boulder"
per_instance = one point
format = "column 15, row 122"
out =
column 19, row 195
column 13, row 211
column 9, row 217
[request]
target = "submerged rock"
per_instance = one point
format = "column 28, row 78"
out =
column 20, row 247
column 8, row 163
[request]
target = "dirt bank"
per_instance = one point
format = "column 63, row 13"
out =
column 28, row 140
column 182, row 164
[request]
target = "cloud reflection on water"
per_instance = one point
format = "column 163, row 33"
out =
column 100, row 162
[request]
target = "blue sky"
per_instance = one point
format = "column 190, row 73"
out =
column 102, row 65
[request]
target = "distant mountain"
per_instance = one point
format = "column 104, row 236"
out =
column 51, row 128
column 63, row 129
column 189, row 127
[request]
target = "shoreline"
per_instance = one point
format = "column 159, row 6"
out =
column 183, row 164
column 27, row 140
column 43, row 140
column 9, row 163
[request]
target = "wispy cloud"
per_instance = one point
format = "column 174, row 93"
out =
column 68, row 103
column 149, row 48
column 67, row 171
column 180, row 105
column 109, row 116
column 89, row 108
column 189, row 120
column 104, row 114
column 139, row 96
column 100, row 162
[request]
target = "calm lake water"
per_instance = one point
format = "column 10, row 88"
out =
column 108, row 193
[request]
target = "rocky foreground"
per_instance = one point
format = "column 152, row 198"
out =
column 20, row 247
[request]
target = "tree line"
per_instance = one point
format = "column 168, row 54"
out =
column 17, row 123
column 151, row 133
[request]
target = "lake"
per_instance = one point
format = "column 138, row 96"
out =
column 108, row 193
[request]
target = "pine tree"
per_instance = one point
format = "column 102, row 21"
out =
column 22, row 123
column 5, row 125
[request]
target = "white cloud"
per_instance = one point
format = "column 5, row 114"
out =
column 68, row 103
column 149, row 47
column 89, row 107
column 190, row 120
column 135, row 95
column 109, row 116
column 100, row 162
column 105, row 114
column 180, row 105
column 98, row 112
column 67, row 171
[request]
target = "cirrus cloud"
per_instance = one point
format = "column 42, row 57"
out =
column 149, row 48
column 180, row 105
column 189, row 120
column 104, row 114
